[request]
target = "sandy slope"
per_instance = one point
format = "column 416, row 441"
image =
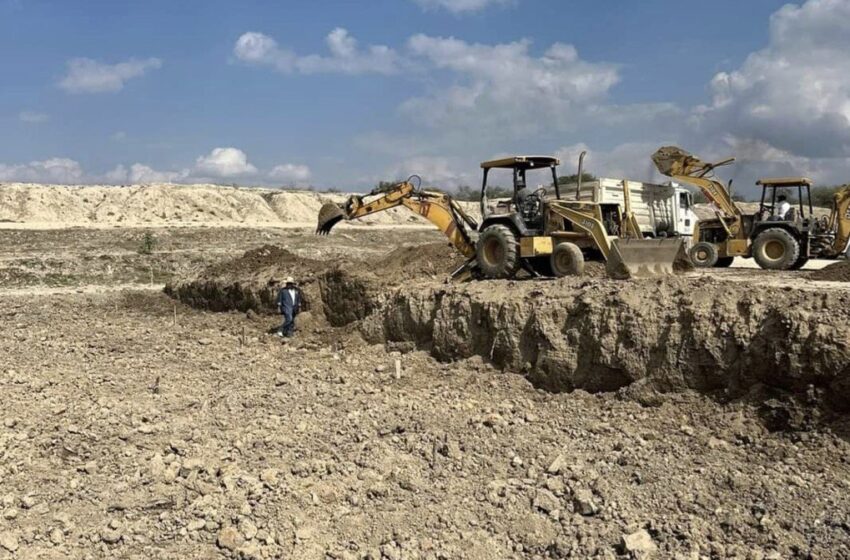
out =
column 59, row 206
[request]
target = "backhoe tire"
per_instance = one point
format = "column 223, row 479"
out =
column 776, row 249
column 497, row 252
column 567, row 260
column 724, row 262
column 801, row 262
column 704, row 254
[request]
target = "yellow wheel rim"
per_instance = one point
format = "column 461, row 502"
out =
column 774, row 250
column 493, row 252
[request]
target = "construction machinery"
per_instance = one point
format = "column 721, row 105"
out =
column 551, row 236
column 776, row 241
column 436, row 207
column 531, row 231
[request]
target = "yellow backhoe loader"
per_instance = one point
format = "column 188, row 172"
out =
column 551, row 236
column 544, row 236
column 776, row 242
column 436, row 207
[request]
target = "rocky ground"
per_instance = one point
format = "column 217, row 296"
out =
column 134, row 426
column 107, row 257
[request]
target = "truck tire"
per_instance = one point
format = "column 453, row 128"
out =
column 567, row 260
column 704, row 254
column 724, row 262
column 497, row 252
column 776, row 249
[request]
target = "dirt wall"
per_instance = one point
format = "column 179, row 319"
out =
column 661, row 335
column 603, row 336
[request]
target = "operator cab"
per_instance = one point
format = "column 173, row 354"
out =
column 775, row 191
column 526, row 200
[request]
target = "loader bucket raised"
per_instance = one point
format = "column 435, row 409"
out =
column 329, row 215
column 645, row 258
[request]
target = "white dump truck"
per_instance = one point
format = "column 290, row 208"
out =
column 661, row 210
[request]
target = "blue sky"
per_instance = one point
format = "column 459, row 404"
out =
column 343, row 94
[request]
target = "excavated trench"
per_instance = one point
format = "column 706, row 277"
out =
column 640, row 337
column 716, row 337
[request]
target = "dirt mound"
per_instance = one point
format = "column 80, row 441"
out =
column 434, row 260
column 249, row 282
column 349, row 287
column 269, row 263
column 595, row 269
column 837, row 272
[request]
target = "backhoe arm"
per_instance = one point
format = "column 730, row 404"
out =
column 584, row 222
column 685, row 168
column 449, row 218
column 437, row 208
column 632, row 227
column 839, row 220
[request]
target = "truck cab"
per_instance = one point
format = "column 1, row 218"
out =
column 683, row 211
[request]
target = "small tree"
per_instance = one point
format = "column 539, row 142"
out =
column 148, row 244
column 822, row 196
column 573, row 179
column 472, row 194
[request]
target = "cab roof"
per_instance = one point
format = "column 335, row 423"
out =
column 521, row 162
column 785, row 182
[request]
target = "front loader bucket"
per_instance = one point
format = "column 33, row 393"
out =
column 329, row 215
column 645, row 258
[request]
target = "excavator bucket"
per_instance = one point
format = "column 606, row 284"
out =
column 645, row 258
column 329, row 215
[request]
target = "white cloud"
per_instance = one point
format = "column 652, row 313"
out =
column 461, row 6
column 224, row 163
column 85, row 75
column 33, row 117
column 140, row 173
column 118, row 136
column 290, row 173
column 505, row 87
column 220, row 164
column 53, row 170
column 785, row 111
column 443, row 172
column 346, row 57
column 793, row 95
column 257, row 48
column 630, row 160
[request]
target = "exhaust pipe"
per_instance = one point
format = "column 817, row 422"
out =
column 580, row 173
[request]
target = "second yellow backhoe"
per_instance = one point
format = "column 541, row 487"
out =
column 544, row 236
column 776, row 240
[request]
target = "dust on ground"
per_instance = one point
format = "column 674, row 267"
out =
column 136, row 427
column 204, row 437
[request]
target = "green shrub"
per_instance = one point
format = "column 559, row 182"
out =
column 148, row 244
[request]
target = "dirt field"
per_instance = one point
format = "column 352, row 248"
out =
column 135, row 426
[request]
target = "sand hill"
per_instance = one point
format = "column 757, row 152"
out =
column 157, row 205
